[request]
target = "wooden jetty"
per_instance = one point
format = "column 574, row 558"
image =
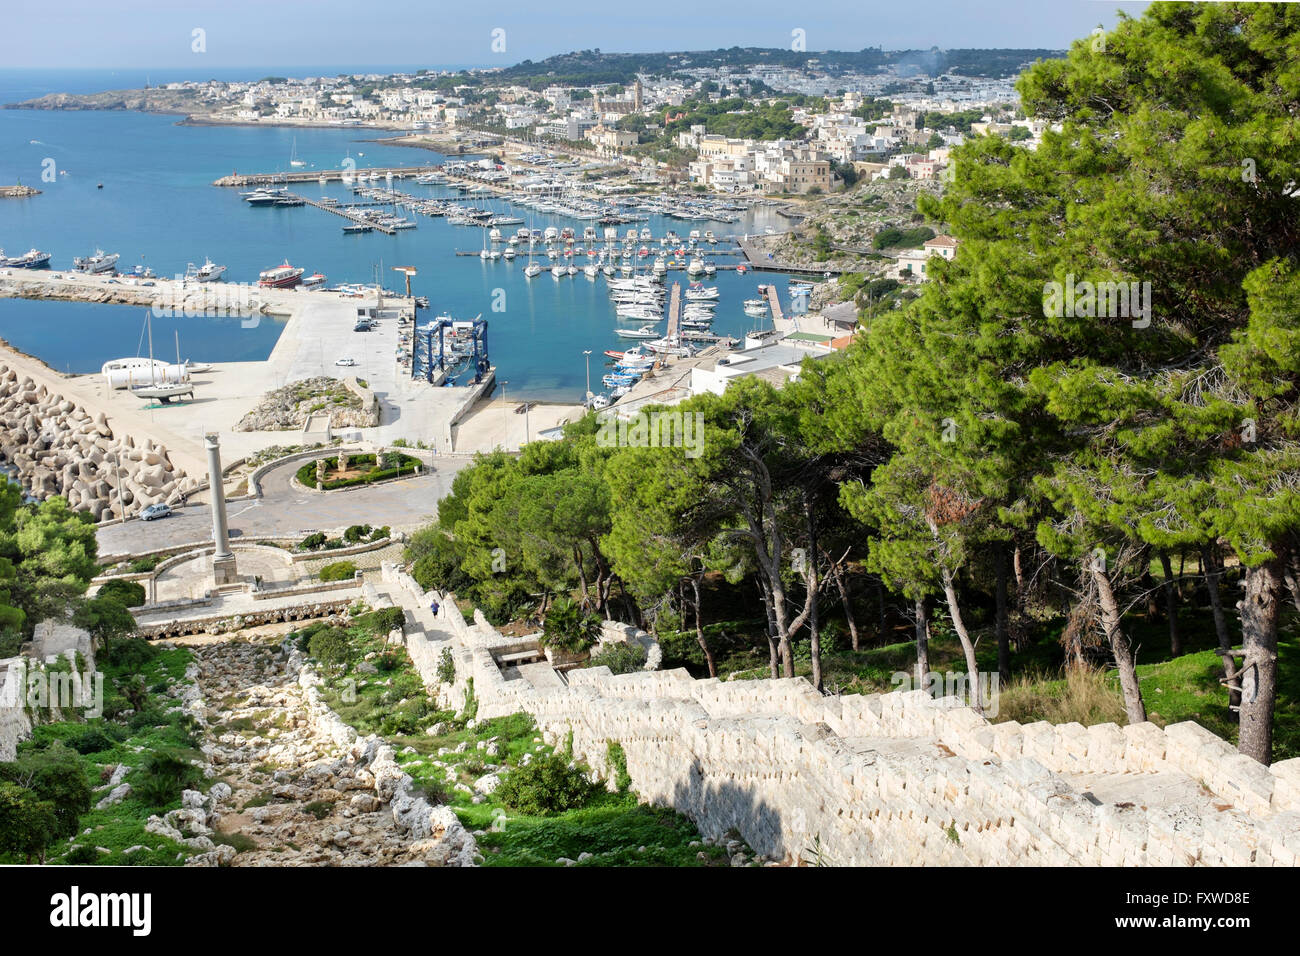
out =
column 774, row 303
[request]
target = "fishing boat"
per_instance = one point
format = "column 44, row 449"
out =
column 208, row 272
column 32, row 259
column 314, row 279
column 99, row 262
column 281, row 277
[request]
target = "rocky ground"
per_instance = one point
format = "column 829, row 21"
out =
column 302, row 792
column 287, row 408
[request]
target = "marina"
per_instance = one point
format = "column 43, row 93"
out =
column 540, row 326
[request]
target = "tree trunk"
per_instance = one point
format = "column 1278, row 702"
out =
column 1213, row 572
column 1171, row 605
column 880, row 604
column 922, row 642
column 1000, row 615
column 843, row 587
column 1259, row 609
column 1291, row 581
column 1119, row 647
column 772, row 646
column 1149, row 586
column 967, row 646
column 815, row 642
column 699, row 630
column 1019, row 571
column 582, row 575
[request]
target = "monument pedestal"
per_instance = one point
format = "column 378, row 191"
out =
column 223, row 571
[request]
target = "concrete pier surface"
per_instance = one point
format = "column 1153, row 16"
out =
column 318, row 331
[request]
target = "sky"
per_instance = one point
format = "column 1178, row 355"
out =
column 281, row 34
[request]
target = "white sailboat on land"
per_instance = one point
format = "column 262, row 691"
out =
column 163, row 391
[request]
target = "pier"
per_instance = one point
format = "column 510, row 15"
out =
column 674, row 311
column 774, row 303
column 346, row 213
column 759, row 261
column 331, row 175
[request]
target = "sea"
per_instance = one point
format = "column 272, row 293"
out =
column 158, row 209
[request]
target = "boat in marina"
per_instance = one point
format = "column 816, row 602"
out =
column 755, row 307
column 314, row 279
column 294, row 161
column 357, row 228
column 281, row 277
column 264, row 196
column 645, row 332
column 99, row 262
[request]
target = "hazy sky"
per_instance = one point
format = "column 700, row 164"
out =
column 158, row 34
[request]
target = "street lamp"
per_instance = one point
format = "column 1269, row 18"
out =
column 587, row 358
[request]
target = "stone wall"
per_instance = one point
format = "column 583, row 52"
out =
column 900, row 778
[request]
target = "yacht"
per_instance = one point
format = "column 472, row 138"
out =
column 533, row 270
column 293, row 155
column 559, row 272
column 99, row 262
column 645, row 332
column 281, row 277
column 265, row 197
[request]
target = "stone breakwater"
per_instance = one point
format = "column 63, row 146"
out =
column 58, row 448
column 302, row 786
column 890, row 779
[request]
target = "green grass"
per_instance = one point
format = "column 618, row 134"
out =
column 132, row 741
column 611, row 826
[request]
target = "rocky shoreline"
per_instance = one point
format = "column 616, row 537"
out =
column 56, row 447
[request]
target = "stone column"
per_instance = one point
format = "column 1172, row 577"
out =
column 223, row 560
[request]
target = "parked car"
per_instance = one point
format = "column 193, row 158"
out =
column 156, row 511
column 363, row 325
column 346, row 362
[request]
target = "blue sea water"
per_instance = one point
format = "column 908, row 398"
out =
column 158, row 208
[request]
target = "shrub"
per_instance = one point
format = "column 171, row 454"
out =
column 127, row 593
column 338, row 571
column 446, row 667
column 164, row 774
column 620, row 658
column 567, row 627
column 53, row 774
column 313, row 542
column 81, row 855
column 387, row 619
column 91, row 740
column 330, row 646
column 356, row 532
column 545, row 786
column 141, row 565
column 131, row 654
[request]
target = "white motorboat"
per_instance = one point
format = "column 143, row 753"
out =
column 99, row 262
column 645, row 332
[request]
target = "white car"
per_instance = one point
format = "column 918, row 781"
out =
column 346, row 362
